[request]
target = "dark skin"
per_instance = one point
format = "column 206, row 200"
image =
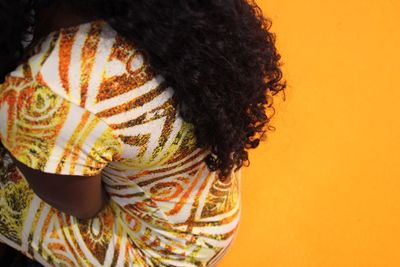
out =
column 80, row 196
column 55, row 16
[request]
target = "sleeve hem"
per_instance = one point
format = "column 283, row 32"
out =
column 85, row 170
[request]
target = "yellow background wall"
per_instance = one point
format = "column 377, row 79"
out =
column 324, row 189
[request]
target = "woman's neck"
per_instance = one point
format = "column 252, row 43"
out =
column 57, row 15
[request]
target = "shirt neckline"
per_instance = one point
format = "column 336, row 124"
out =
column 66, row 28
column 31, row 52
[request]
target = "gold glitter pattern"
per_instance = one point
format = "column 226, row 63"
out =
column 86, row 102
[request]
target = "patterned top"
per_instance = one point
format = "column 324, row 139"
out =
column 86, row 102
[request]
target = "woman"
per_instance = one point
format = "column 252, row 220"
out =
column 125, row 125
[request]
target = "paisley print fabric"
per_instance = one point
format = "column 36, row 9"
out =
column 86, row 102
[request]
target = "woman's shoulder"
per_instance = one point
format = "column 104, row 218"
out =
column 89, row 64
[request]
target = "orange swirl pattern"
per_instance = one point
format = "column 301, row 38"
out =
column 87, row 102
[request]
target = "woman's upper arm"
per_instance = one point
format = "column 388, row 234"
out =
column 79, row 196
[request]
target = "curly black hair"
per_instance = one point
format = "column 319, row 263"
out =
column 218, row 55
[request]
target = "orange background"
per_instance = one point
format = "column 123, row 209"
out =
column 324, row 189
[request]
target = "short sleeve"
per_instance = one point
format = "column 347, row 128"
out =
column 49, row 133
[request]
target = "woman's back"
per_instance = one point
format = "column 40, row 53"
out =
column 87, row 102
